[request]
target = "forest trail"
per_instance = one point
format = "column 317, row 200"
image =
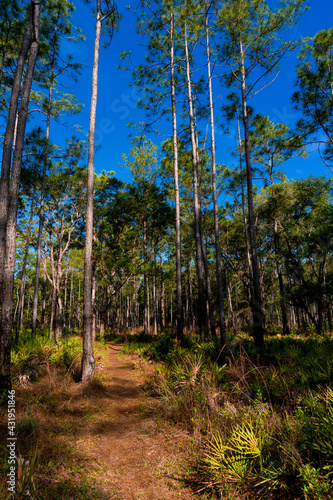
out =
column 104, row 440
column 140, row 454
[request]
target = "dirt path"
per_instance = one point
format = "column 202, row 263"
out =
column 101, row 441
column 139, row 455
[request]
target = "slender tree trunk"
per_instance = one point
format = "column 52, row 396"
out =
column 209, row 293
column 71, row 301
column 93, row 301
column 53, row 311
column 17, row 303
column 248, row 256
column 196, row 200
column 219, row 280
column 59, row 308
column 257, row 312
column 79, row 305
column 190, row 324
column 19, row 323
column 9, row 261
column 179, row 312
column 42, row 319
column 281, row 285
column 88, row 360
column 148, row 306
column 10, row 131
column 65, row 298
column 162, row 294
column 118, row 311
column 154, row 295
column 145, row 284
column 42, row 196
column 210, row 307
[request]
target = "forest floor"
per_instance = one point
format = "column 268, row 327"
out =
column 105, row 440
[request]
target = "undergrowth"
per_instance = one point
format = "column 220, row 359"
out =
column 55, row 366
column 262, row 423
column 35, row 355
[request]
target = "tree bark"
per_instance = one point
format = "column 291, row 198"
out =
column 196, row 201
column 221, row 323
column 88, row 359
column 154, row 294
column 10, row 133
column 42, row 319
column 19, row 323
column 179, row 312
column 9, row 261
column 257, row 313
column 145, row 284
column 42, row 195
column 248, row 256
column 162, row 294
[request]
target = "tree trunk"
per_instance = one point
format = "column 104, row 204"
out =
column 189, row 319
column 221, row 324
column 9, row 261
column 196, row 202
column 58, row 326
column 285, row 326
column 162, row 295
column 10, row 132
column 257, row 313
column 19, row 323
column 248, row 256
column 209, row 293
column 93, row 302
column 145, row 284
column 53, row 307
column 88, row 360
column 154, row 295
column 71, row 301
column 42, row 196
column 65, row 298
column 117, row 311
column 179, row 312
column 42, row 319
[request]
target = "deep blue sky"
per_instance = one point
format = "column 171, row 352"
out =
column 117, row 100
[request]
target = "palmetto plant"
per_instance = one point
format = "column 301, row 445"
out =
column 243, row 458
column 238, row 458
column 318, row 425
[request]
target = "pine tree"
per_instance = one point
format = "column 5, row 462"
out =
column 253, row 47
column 109, row 17
column 11, row 168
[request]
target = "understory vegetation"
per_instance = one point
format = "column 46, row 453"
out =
column 45, row 419
column 262, row 422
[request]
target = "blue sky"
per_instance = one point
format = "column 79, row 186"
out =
column 117, row 99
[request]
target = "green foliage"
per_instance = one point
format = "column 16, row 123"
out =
column 315, row 485
column 33, row 355
column 317, row 416
column 242, row 458
column 313, row 96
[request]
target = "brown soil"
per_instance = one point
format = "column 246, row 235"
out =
column 105, row 440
